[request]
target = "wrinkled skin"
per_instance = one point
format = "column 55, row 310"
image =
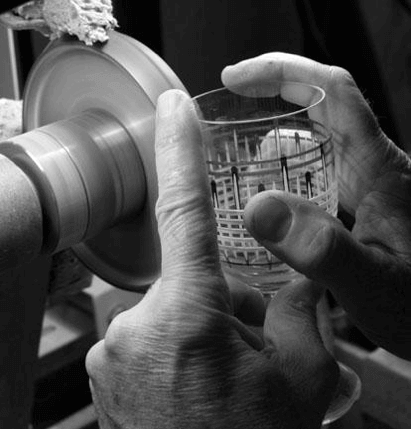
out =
column 181, row 358
column 369, row 269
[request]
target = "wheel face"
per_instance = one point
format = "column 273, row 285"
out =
column 124, row 78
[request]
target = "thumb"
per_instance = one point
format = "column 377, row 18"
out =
column 308, row 239
column 186, row 224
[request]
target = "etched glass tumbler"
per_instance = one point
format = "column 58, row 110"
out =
column 255, row 143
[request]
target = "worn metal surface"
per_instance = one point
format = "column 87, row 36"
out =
column 88, row 146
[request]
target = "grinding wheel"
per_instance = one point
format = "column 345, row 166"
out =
column 122, row 78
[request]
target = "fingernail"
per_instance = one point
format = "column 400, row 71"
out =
column 169, row 101
column 272, row 219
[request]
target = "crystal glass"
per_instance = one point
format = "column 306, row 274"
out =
column 255, row 142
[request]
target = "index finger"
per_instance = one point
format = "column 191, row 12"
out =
column 277, row 66
column 265, row 71
column 344, row 103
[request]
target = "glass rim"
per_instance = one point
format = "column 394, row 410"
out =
column 267, row 118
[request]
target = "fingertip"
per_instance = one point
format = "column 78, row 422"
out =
column 237, row 75
column 176, row 127
column 268, row 217
column 228, row 75
column 302, row 234
column 247, row 302
column 173, row 93
column 228, row 69
column 184, row 212
column 170, row 100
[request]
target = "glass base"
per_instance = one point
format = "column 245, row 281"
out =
column 267, row 281
column 346, row 394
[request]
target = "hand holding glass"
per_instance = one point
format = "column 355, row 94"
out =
column 254, row 142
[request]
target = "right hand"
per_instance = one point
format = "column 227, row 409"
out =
column 369, row 269
column 180, row 359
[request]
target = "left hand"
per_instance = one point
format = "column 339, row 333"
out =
column 180, row 358
column 368, row 269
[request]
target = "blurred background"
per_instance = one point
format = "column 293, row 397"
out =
column 370, row 38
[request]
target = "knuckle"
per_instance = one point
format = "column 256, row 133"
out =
column 341, row 76
column 117, row 333
column 347, row 89
column 95, row 359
